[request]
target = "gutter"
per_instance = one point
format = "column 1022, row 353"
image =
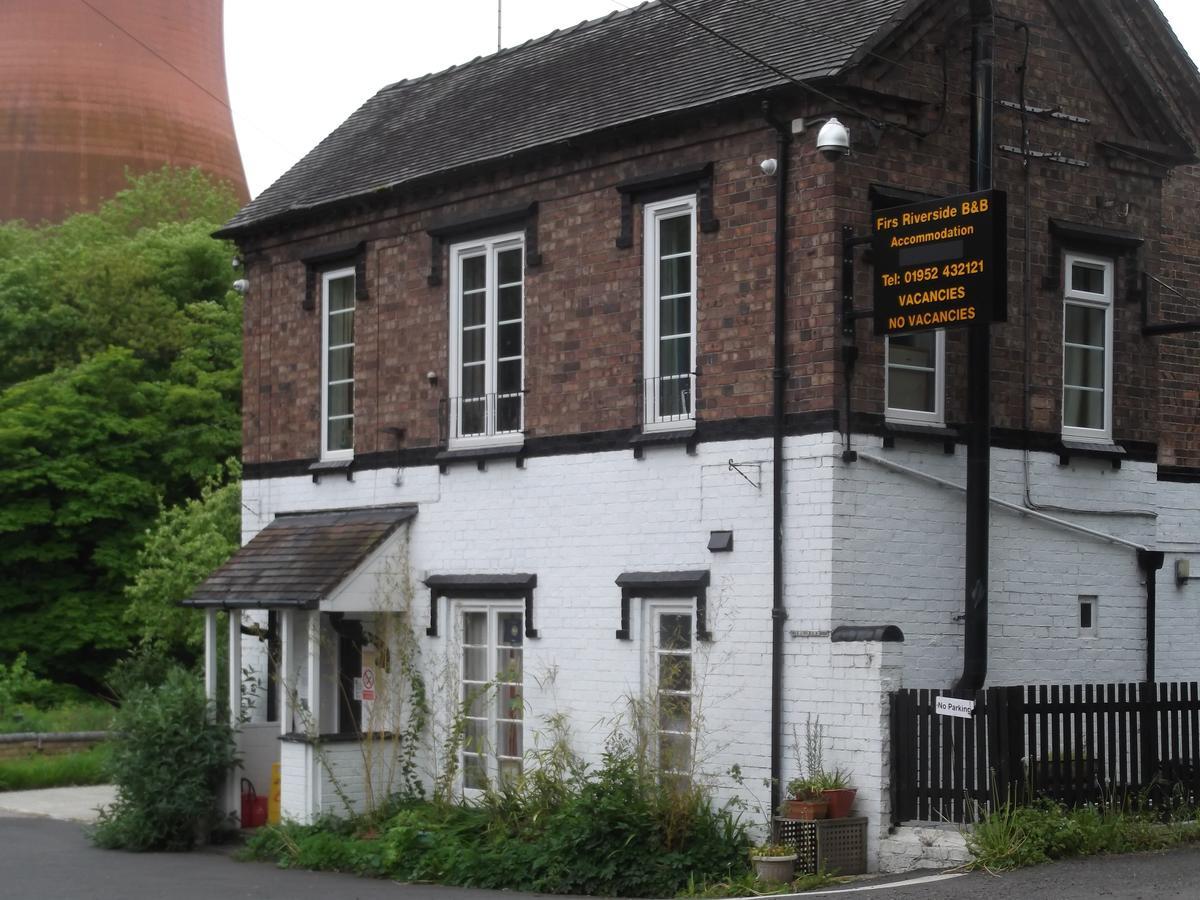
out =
column 783, row 143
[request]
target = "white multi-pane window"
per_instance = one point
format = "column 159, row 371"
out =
column 487, row 304
column 492, row 637
column 337, row 364
column 1087, row 348
column 669, row 392
column 671, row 665
column 916, row 373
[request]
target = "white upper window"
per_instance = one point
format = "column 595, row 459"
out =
column 487, row 308
column 669, row 392
column 337, row 364
column 1087, row 348
column 916, row 378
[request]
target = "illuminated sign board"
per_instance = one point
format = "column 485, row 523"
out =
column 941, row 264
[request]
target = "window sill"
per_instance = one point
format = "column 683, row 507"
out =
column 1069, row 447
column 344, row 465
column 657, row 438
column 481, row 455
column 947, row 436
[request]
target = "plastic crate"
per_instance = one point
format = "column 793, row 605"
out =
column 836, row 846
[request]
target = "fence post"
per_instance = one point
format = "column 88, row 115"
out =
column 997, row 724
column 1015, row 731
column 894, row 762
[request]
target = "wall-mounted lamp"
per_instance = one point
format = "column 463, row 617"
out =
column 1183, row 572
column 769, row 166
column 241, row 285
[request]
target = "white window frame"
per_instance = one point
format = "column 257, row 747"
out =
column 904, row 416
column 652, row 214
column 490, row 248
column 326, row 277
column 1104, row 301
column 492, row 608
column 652, row 610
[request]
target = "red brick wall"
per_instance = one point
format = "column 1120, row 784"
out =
column 583, row 305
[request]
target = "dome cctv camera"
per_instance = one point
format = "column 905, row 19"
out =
column 241, row 285
column 769, row 166
column 833, row 140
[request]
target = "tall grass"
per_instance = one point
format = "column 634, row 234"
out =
column 27, row 773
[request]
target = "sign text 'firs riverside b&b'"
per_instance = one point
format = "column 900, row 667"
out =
column 941, row 263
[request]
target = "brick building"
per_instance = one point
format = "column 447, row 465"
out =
column 510, row 358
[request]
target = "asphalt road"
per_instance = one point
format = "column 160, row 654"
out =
column 42, row 858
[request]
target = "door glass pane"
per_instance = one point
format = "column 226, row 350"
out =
column 675, row 315
column 508, row 413
column 674, row 235
column 509, row 339
column 472, row 416
column 341, row 434
column 341, row 399
column 474, row 772
column 474, row 309
column 341, row 364
column 674, row 713
column 675, row 275
column 510, row 303
column 341, row 329
column 474, row 273
column 675, row 355
column 508, row 738
column 508, row 262
column 674, row 673
column 509, row 379
column 475, row 736
column 675, row 631
column 510, row 771
column 475, row 664
column 1083, row 409
column 675, row 751
column 511, row 705
column 1085, row 325
column 1084, row 368
column 473, row 345
column 475, row 628
column 1087, row 278
column 341, row 293
column 472, row 381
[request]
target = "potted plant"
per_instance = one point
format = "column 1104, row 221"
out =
column 806, row 802
column 774, row 863
column 835, row 787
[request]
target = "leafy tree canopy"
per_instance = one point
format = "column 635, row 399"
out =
column 120, row 379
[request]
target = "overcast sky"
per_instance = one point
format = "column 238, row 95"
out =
column 298, row 68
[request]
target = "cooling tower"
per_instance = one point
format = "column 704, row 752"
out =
column 89, row 88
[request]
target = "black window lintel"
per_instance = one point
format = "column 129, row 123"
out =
column 481, row 587
column 323, row 257
column 662, row 186
column 482, row 224
column 652, row 585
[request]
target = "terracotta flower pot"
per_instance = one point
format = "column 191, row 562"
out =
column 840, row 801
column 808, row 810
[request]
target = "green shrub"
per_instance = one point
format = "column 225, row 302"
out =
column 615, row 831
column 168, row 760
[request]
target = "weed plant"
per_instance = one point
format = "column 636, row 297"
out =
column 613, row 831
column 1015, row 836
column 27, row 773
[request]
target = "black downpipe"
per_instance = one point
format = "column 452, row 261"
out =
column 979, row 374
column 783, row 143
column 1150, row 561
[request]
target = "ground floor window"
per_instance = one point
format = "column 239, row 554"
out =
column 492, row 674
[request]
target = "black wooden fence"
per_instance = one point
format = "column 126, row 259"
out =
column 1081, row 743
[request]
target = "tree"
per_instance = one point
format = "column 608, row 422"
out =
column 120, row 378
column 185, row 544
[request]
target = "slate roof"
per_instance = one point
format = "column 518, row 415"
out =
column 298, row 559
column 628, row 66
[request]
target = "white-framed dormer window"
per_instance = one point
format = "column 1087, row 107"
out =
column 916, row 378
column 670, row 647
column 337, row 364
column 491, row 634
column 669, row 386
column 1087, row 348
column 487, row 363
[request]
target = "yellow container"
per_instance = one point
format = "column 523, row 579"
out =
column 273, row 798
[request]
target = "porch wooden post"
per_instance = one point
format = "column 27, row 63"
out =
column 314, row 672
column 287, row 670
column 210, row 654
column 235, row 666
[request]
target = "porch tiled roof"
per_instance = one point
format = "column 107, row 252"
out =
column 629, row 66
column 298, row 559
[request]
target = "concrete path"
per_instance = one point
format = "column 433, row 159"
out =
column 72, row 804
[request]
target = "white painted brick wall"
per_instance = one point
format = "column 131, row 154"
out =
column 863, row 546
